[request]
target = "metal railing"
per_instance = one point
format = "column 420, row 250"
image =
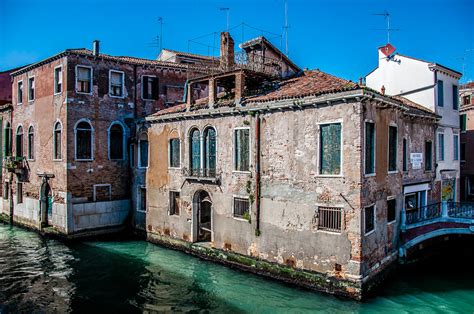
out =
column 422, row 214
column 200, row 173
column 461, row 210
column 330, row 219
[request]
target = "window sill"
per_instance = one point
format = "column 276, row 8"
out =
column 114, row 96
column 330, row 176
column 30, row 159
column 59, row 93
column 56, row 160
column 241, row 172
column 83, row 93
column 142, row 168
column 328, row 232
column 20, row 103
column 240, row 219
column 174, row 168
column 31, row 101
column 392, row 172
column 118, row 159
column 391, row 222
column 83, row 159
column 369, row 233
column 141, row 211
column 369, row 175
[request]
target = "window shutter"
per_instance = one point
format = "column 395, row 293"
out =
column 155, row 88
column 60, row 76
column 455, row 97
column 440, row 93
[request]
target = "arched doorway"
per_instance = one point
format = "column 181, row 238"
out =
column 202, row 211
column 46, row 204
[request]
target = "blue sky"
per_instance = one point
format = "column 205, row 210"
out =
column 339, row 37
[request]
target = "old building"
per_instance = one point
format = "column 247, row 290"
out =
column 71, row 140
column 466, row 96
column 435, row 87
column 298, row 175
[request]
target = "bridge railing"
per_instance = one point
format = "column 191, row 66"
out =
column 422, row 214
column 461, row 210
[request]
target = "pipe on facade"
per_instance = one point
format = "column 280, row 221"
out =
column 257, row 173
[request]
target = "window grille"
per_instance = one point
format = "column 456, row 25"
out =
column 241, row 207
column 330, row 219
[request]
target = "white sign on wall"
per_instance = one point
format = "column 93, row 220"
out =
column 416, row 160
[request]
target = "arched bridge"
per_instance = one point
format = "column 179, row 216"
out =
column 434, row 220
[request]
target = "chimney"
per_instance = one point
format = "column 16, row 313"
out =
column 227, row 51
column 95, row 48
column 382, row 90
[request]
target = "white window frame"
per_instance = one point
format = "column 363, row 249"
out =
column 169, row 203
column 169, row 153
column 91, row 84
column 28, row 88
column 92, row 140
column 375, row 219
column 124, row 140
column 318, row 148
column 392, row 124
column 389, row 198
column 55, row 78
column 139, row 163
column 110, row 84
column 22, row 92
column 139, row 199
column 234, row 150
column 367, row 175
column 54, row 140
column 94, row 192
column 142, row 87
column 246, row 197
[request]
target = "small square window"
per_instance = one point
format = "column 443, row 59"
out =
column 330, row 218
column 391, row 210
column 174, row 203
column 241, row 207
column 369, row 219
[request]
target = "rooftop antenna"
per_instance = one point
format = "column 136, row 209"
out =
column 286, row 27
column 227, row 16
column 388, row 29
column 160, row 20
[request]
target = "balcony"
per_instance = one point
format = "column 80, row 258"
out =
column 202, row 174
column 15, row 164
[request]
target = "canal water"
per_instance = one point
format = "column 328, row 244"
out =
column 45, row 275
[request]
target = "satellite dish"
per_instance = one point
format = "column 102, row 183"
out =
column 387, row 50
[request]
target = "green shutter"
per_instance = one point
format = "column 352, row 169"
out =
column 440, row 93
column 392, row 148
column 455, row 97
column 330, row 149
column 369, row 148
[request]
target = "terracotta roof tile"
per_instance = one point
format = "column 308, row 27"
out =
column 414, row 107
column 174, row 109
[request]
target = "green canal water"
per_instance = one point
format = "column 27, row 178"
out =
column 45, row 275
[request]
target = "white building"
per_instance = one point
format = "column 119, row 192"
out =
column 435, row 87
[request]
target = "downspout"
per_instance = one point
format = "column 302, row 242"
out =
column 10, row 148
column 257, row 174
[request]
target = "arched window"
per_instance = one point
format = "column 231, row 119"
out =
column 7, row 146
column 116, row 141
column 210, row 151
column 143, row 150
column 31, row 142
column 83, row 141
column 195, row 149
column 19, row 141
column 57, row 140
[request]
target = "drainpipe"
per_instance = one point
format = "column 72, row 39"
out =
column 10, row 147
column 257, row 173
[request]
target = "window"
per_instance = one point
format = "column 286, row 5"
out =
column 116, row 142
column 330, row 149
column 369, row 148
column 19, row 193
column 83, row 141
column 58, row 80
column 392, row 148
column 369, row 219
column 462, row 122
column 7, row 145
column 455, row 97
column 31, row 89
column 405, row 155
column 6, row 190
column 465, row 100
column 456, row 147
column 241, row 207
column 210, row 152
column 428, row 156
column 174, row 203
column 149, row 87
column 19, row 141
column 20, row 92
column 195, row 149
column 469, row 181
column 102, row 192
column 83, row 79
column 132, row 155
column 463, row 151
column 141, row 199
column 329, row 218
column 415, row 200
column 116, row 80
column 31, row 143
column 440, row 93
column 143, row 150
column 57, row 140
column 391, row 210
column 440, row 146
column 174, row 149
column 242, row 149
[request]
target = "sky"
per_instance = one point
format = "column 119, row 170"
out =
column 339, row 37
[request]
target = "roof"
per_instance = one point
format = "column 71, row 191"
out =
column 261, row 39
column 467, row 85
column 174, row 109
column 191, row 55
column 89, row 53
column 310, row 83
column 415, row 108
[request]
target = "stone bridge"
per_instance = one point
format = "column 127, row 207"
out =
column 434, row 220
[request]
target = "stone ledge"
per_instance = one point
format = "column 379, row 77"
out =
column 306, row 279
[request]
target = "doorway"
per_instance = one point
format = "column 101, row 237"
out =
column 202, row 209
column 46, row 204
